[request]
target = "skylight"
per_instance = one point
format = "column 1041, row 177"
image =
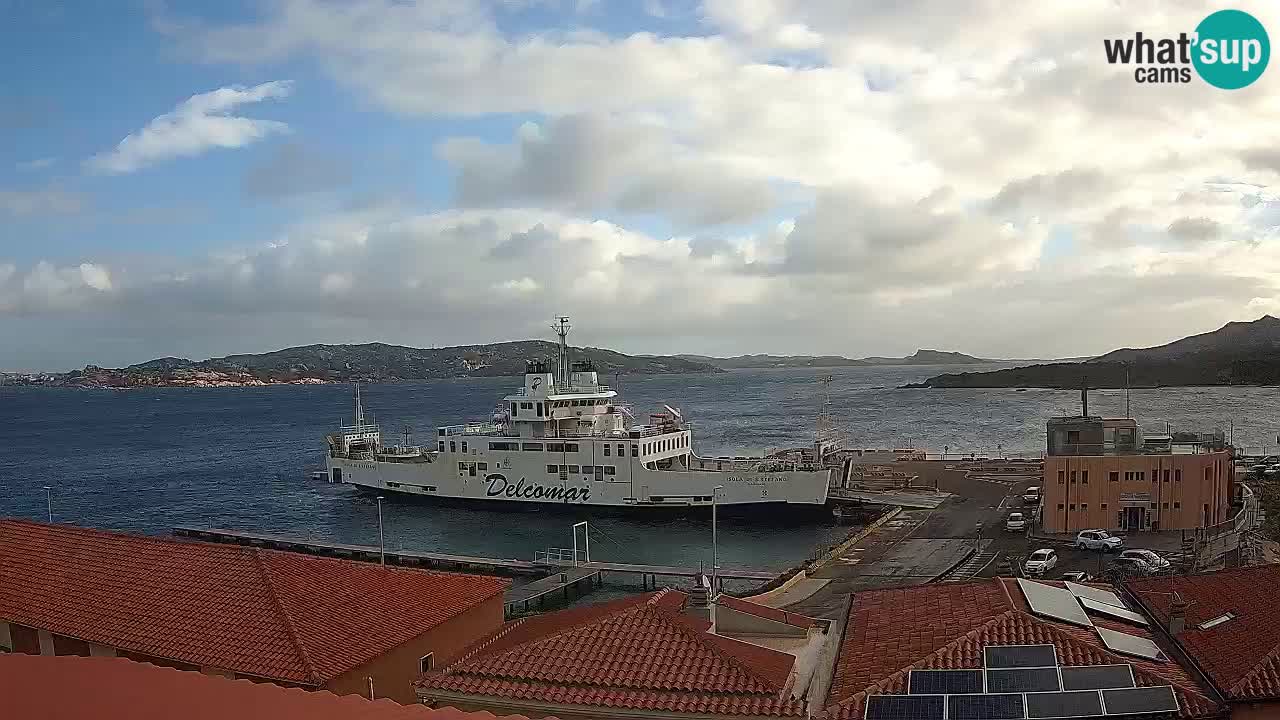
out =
column 1215, row 622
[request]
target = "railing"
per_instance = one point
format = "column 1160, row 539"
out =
column 565, row 390
column 559, row 556
column 474, row 429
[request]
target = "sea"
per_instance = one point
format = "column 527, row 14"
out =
column 150, row 459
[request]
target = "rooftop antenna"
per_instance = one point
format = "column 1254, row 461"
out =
column 561, row 329
column 1127, row 413
column 1084, row 396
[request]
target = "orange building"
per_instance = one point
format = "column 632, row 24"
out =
column 1102, row 473
column 262, row 615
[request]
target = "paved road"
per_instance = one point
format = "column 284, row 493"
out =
column 921, row 544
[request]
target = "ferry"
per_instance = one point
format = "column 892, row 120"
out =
column 564, row 439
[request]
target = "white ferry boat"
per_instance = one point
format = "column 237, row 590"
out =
column 565, row 439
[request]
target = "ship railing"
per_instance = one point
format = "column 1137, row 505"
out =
column 352, row 429
column 565, row 390
column 473, row 429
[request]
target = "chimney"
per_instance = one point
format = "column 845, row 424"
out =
column 1177, row 615
column 699, row 603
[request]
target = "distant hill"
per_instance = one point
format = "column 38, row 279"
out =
column 921, row 357
column 1238, row 353
column 367, row 362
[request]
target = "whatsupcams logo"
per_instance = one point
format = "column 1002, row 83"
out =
column 1229, row 49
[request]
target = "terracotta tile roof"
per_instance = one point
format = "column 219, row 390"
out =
column 638, row 653
column 270, row 614
column 890, row 632
column 782, row 616
column 36, row 686
column 1242, row 655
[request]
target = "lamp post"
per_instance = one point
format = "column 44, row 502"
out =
column 715, row 547
column 382, row 545
column 48, row 501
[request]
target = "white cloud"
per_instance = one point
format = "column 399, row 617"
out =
column 47, row 201
column 198, row 124
column 36, row 164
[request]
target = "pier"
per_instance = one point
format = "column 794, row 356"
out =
column 565, row 583
column 575, row 573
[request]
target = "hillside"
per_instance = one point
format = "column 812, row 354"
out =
column 1238, row 353
column 369, row 362
column 921, row 357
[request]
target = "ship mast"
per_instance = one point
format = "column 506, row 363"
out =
column 561, row 329
column 359, row 410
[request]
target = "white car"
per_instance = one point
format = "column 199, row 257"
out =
column 1040, row 562
column 1031, row 496
column 1098, row 540
column 1015, row 523
column 1154, row 562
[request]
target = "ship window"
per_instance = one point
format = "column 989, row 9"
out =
column 461, row 466
column 471, row 469
column 393, row 485
column 553, row 469
column 453, row 446
column 429, row 488
column 573, row 469
column 526, row 406
column 441, row 446
column 606, row 449
column 514, row 407
column 588, row 469
column 532, row 447
column 608, row 470
column 571, row 447
column 635, row 450
column 440, row 431
column 484, row 466
column 622, row 450
column 464, row 446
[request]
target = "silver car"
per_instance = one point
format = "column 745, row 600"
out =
column 1098, row 540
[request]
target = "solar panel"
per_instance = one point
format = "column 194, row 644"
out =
column 1099, row 595
column 1130, row 644
column 986, row 707
column 1133, row 701
column 1023, row 680
column 1013, row 656
column 950, row 682
column 1097, row 677
column 1077, row 704
column 906, row 707
column 1054, row 602
column 1112, row 611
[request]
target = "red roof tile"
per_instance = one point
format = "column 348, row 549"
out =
column 80, row 688
column 639, row 653
column 276, row 615
column 890, row 632
column 1242, row 655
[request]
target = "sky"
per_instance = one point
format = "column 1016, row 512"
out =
column 720, row 177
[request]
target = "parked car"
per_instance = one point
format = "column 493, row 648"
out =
column 1031, row 496
column 1148, row 557
column 1132, row 565
column 1077, row 576
column 1098, row 540
column 1040, row 562
column 1015, row 523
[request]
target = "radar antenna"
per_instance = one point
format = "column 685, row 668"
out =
column 561, row 329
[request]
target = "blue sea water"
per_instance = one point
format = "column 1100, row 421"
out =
column 150, row 459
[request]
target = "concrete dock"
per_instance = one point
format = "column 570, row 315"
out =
column 566, row 583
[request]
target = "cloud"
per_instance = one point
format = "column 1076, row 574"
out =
column 37, row 164
column 198, row 124
column 47, row 201
column 594, row 162
column 295, row 169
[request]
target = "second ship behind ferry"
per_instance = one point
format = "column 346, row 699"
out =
column 563, row 438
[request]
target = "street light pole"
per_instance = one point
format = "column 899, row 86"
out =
column 715, row 546
column 382, row 544
column 48, row 501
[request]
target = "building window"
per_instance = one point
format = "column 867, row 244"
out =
column 1084, row 507
column 1208, row 474
column 1059, row 506
column 1062, row 476
column 1142, row 476
column 606, row 449
column 1104, row 506
column 1084, row 477
column 1165, row 506
column 1155, row 475
column 1177, row 506
column 1177, row 474
column 1073, row 477
column 1166, row 475
column 1073, row 437
column 427, row 663
column 1154, row 506
column 1073, row 507
column 1115, row 477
